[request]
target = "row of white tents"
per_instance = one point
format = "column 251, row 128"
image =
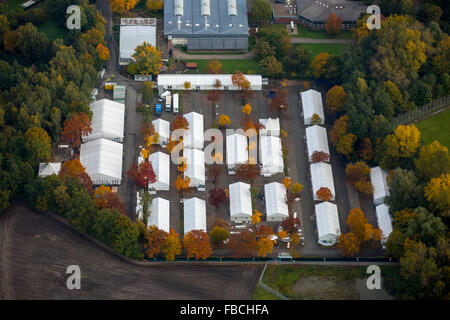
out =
column 380, row 192
column 101, row 151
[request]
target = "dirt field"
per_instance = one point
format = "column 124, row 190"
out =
column 36, row 250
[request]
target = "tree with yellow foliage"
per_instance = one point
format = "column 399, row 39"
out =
column 318, row 64
column 121, row 6
column 264, row 246
column 348, row 244
column 155, row 5
column 282, row 234
column 172, row 246
column 437, row 191
column 256, row 217
column 402, row 144
column 247, row 109
column 224, row 120
column 287, row 181
column 103, row 52
column 336, row 98
column 182, row 183
column 433, row 160
column 215, row 66
column 147, row 59
column 196, row 243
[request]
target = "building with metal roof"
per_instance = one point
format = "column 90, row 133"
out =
column 207, row 24
column 133, row 32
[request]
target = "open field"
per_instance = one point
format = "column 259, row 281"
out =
column 230, row 66
column 303, row 32
column 331, row 48
column 308, row 282
column 436, row 128
column 36, row 250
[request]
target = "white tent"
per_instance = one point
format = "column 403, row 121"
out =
column 139, row 209
column 194, row 215
column 103, row 161
column 195, row 167
column 380, row 188
column 322, row 176
column 133, row 32
column 240, row 202
column 108, row 119
column 270, row 155
column 196, row 138
column 160, row 214
column 161, row 165
column 271, row 127
column 384, row 221
column 316, row 140
column 162, row 127
column 237, row 152
column 327, row 219
column 48, row 168
column 276, row 207
column 312, row 103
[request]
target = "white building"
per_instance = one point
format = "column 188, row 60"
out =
column 384, row 221
column 380, row 187
column 237, row 152
column 48, row 168
column 322, row 177
column 271, row 127
column 108, row 119
column 316, row 140
column 160, row 214
column 103, row 161
column 133, row 32
column 312, row 104
column 276, row 207
column 327, row 219
column 196, row 137
column 240, row 202
column 270, row 155
column 204, row 81
column 194, row 215
column 161, row 166
column 162, row 127
column 195, row 168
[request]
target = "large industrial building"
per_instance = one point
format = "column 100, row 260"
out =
column 207, row 24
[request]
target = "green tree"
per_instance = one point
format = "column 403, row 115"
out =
column 263, row 49
column 261, row 11
column 38, row 144
column 147, row 92
column 425, row 227
column 271, row 67
column 432, row 161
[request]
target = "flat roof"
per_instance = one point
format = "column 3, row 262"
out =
column 134, row 33
column 319, row 10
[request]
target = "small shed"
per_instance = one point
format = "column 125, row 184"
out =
column 162, row 127
column 275, row 196
column 194, row 214
column 327, row 219
column 322, row 177
column 384, row 221
column 119, row 93
column 196, row 131
column 380, row 188
column 161, row 166
column 160, row 214
column 270, row 155
column 316, row 140
column 195, row 167
column 312, row 104
column 271, row 127
column 237, row 152
column 191, row 65
column 240, row 202
column 48, row 168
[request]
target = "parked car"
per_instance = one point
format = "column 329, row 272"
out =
column 158, row 109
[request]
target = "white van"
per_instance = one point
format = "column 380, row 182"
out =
column 168, row 100
column 175, row 103
column 164, row 94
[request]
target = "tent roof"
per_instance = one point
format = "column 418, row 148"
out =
column 271, row 154
column 240, row 199
column 272, row 126
column 275, row 194
column 322, row 176
column 49, row 168
column 312, row 103
column 195, row 131
column 327, row 219
column 160, row 214
column 162, row 127
column 384, row 219
column 378, row 178
column 108, row 119
column 102, row 159
column 194, row 214
column 161, row 165
column 132, row 36
column 316, row 140
column 237, row 149
column 195, row 164
column 178, row 80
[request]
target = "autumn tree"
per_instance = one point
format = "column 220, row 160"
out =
column 318, row 64
column 287, row 181
column 217, row 197
column 224, row 120
column 316, row 119
column 348, row 244
column 358, row 175
column 214, row 171
column 38, row 144
column 336, row 98
column 290, row 224
column 271, row 67
column 265, row 231
column 437, row 191
column 122, row 6
column 196, row 243
column 341, row 139
column 246, row 109
column 172, row 246
column 218, row 235
column 180, row 122
column 402, row 144
column 243, row 245
column 182, row 183
column 155, row 240
column 320, row 156
column 432, row 161
column 333, row 24
column 147, row 59
column 296, row 189
column 324, row 194
column 279, row 103
column 143, row 174
column 103, row 52
column 74, row 128
column 155, row 5
column 106, row 199
column 247, row 172
column 264, row 246
column 215, row 66
column 73, row 169
column 256, row 217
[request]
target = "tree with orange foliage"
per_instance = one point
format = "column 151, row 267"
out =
column 121, row 6
column 246, row 109
column 243, row 245
column 264, row 246
column 142, row 174
column 103, row 52
column 324, row 194
column 247, row 171
column 215, row 66
column 73, row 169
column 182, row 183
column 365, row 150
column 333, row 24
column 290, row 224
column 172, row 246
column 239, row 80
column 180, row 122
column 320, row 156
column 358, row 174
column 287, row 181
column 348, row 244
column 336, row 98
column 359, row 225
column 196, row 243
column 282, row 234
column 148, row 129
column 279, row 103
column 265, row 231
column 224, row 120
column 75, row 127
column 154, row 241
column 106, row 199
column 256, row 217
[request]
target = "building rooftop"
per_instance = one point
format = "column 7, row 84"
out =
column 319, row 10
column 133, row 32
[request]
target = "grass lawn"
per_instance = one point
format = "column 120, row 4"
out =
column 229, row 66
column 261, row 294
column 15, row 4
column 53, row 30
column 331, row 48
column 303, row 32
column 436, row 128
